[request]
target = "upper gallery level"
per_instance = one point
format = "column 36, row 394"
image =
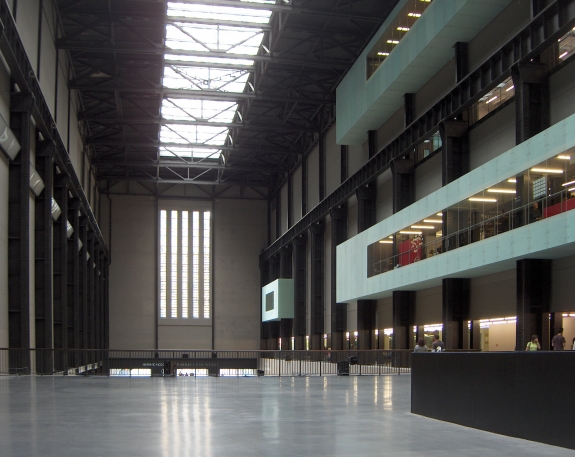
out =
column 414, row 43
column 514, row 206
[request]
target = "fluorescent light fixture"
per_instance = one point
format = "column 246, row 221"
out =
column 388, row 331
column 568, row 183
column 410, row 232
column 563, row 55
column 414, row 14
column 383, row 53
column 502, row 191
column 403, row 29
column 571, row 190
column 386, row 241
column 433, row 221
column 547, row 170
column 422, row 226
column 491, row 99
column 477, row 199
column 392, row 41
column 391, row 236
column 564, row 157
column 512, row 180
column 439, row 214
column 509, row 88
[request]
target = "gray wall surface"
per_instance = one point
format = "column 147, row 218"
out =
column 239, row 236
column 133, row 276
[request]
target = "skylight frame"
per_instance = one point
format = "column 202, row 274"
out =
column 186, row 68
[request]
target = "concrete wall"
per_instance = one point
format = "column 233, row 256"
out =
column 563, row 272
column 428, row 305
column 428, row 177
column 562, row 93
column 384, row 208
column 239, row 236
column 493, row 296
column 133, row 276
column 491, row 138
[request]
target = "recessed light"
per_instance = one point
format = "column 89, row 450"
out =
column 502, row 191
column 410, row 232
column 547, row 170
column 477, row 199
column 422, row 226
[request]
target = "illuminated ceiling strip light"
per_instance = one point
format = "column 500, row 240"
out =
column 564, row 54
column 403, row 29
column 564, row 157
column 439, row 214
column 568, row 183
column 571, row 190
column 502, row 191
column 414, row 14
column 433, row 221
column 491, row 99
column 510, row 88
column 547, row 170
column 512, row 180
column 393, row 41
column 386, row 242
column 410, row 232
column 476, row 199
column 422, row 226
column 383, row 53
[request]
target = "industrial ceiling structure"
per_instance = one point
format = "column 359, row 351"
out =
column 209, row 92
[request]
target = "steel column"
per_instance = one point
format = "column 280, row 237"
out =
column 73, row 280
column 366, row 206
column 533, row 301
column 403, row 173
column 43, row 255
column 338, row 310
column 317, row 284
column 403, row 319
column 366, row 312
column 455, row 311
column 454, row 150
column 531, row 99
column 19, row 232
column 300, row 284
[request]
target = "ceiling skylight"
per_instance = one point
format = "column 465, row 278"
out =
column 207, row 53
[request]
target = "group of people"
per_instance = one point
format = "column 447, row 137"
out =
column 557, row 343
column 436, row 346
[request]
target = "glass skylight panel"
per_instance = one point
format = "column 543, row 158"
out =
column 206, row 78
column 193, row 109
column 193, row 134
column 194, row 30
column 189, row 154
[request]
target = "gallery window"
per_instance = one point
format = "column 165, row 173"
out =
column 185, row 253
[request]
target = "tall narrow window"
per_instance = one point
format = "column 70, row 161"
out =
column 185, row 287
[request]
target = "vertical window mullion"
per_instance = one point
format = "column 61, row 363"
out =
column 206, row 263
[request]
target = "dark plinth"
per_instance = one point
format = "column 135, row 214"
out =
column 519, row 394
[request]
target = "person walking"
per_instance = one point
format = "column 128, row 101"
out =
column 558, row 341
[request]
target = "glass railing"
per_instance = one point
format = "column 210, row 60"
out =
column 417, row 250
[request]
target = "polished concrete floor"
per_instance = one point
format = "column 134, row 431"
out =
column 217, row 417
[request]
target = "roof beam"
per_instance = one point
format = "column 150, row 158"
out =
column 200, row 94
column 192, row 20
column 286, row 9
column 205, row 165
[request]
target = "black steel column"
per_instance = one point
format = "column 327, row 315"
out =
column 274, row 268
column 403, row 319
column 19, row 232
column 533, row 301
column 300, row 281
column 264, row 280
column 531, row 99
column 454, row 150
column 290, row 201
column 60, row 270
column 338, row 310
column 97, row 301
column 322, row 166
column 91, row 291
column 83, row 279
column 73, row 277
column 366, row 206
column 372, row 143
column 106, row 302
column 455, row 311
column 43, row 255
column 344, row 160
column 408, row 109
column 278, row 213
column 461, row 61
column 303, row 186
column 317, row 284
column 403, row 184
column 366, row 312
column 286, row 262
